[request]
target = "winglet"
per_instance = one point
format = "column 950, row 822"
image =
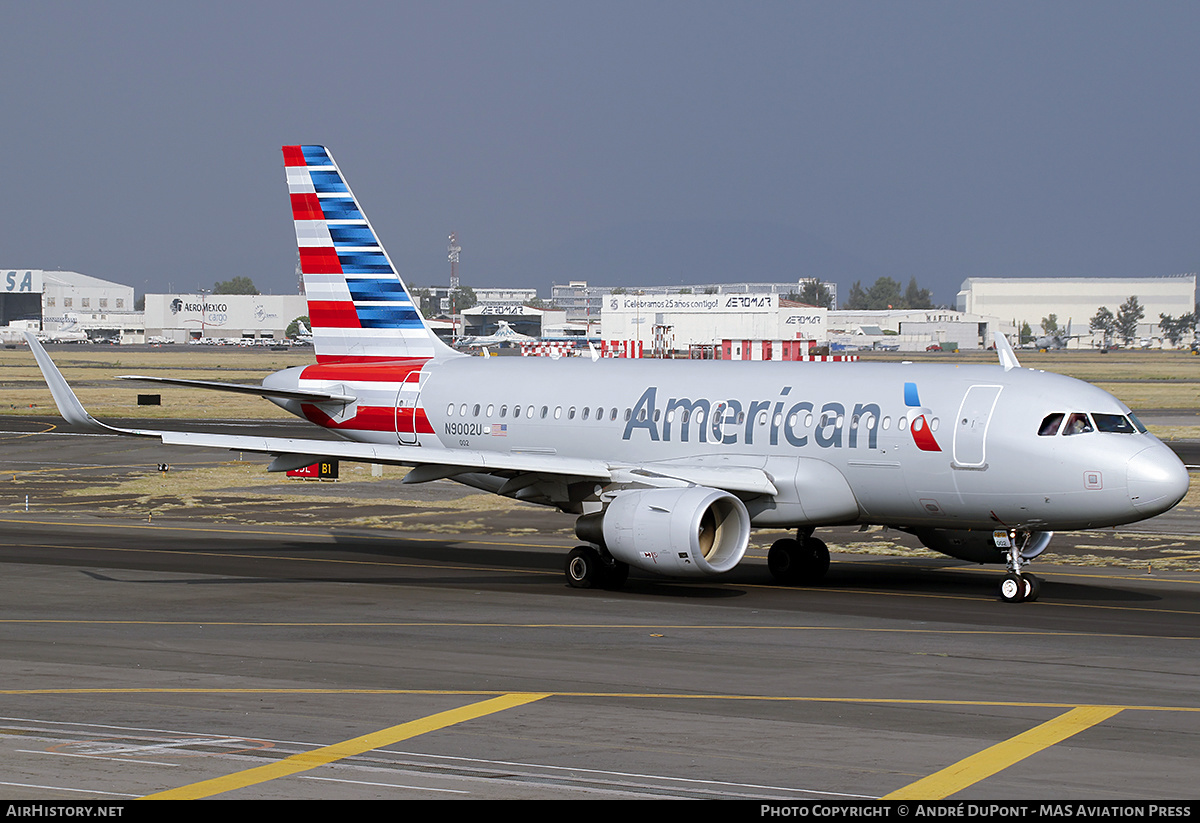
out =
column 1008, row 358
column 68, row 404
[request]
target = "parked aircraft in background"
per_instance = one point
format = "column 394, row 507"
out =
column 504, row 334
column 1056, row 340
column 70, row 332
column 668, row 465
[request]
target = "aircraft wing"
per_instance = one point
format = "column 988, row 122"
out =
column 431, row 464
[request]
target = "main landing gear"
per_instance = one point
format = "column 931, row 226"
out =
column 1018, row 587
column 799, row 561
column 590, row 568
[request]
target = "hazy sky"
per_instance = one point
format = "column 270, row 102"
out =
column 624, row 143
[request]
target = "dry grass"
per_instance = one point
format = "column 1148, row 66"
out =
column 92, row 373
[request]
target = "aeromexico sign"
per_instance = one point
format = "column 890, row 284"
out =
column 233, row 312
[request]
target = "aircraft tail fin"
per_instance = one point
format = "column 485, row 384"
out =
column 359, row 307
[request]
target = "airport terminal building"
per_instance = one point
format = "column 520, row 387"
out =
column 679, row 322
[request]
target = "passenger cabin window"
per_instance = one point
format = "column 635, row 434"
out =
column 1078, row 423
column 1050, row 425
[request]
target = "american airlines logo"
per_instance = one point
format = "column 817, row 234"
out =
column 730, row 421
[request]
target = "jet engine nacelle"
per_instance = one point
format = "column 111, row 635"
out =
column 687, row 532
column 978, row 546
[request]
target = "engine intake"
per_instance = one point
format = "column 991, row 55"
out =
column 688, row 532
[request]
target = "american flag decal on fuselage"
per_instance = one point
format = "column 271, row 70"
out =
column 359, row 307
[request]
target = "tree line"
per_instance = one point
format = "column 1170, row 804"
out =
column 886, row 293
column 1123, row 324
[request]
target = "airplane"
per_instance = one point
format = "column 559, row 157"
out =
column 504, row 333
column 1055, row 340
column 668, row 465
column 303, row 333
column 70, row 332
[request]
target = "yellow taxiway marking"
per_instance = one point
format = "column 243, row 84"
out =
column 877, row 701
column 937, row 786
column 328, row 754
column 988, row 762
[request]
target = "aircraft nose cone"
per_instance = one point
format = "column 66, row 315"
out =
column 1157, row 480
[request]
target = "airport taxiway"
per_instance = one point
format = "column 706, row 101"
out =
column 194, row 655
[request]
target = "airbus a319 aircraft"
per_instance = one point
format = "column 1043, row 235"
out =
column 667, row 465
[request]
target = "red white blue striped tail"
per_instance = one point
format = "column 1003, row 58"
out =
column 360, row 309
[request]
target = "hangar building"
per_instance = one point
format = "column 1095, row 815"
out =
column 67, row 299
column 1076, row 300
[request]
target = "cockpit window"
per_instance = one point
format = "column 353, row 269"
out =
column 1113, row 423
column 1050, row 425
column 1137, row 423
column 1078, row 423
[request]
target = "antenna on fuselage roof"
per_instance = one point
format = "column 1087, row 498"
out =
column 1008, row 357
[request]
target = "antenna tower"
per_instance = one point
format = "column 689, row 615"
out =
column 453, row 250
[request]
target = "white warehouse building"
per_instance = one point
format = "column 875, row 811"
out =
column 676, row 322
column 183, row 317
column 1075, row 300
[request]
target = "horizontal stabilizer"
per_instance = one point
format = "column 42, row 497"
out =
column 303, row 395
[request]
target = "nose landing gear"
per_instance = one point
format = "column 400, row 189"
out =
column 1018, row 587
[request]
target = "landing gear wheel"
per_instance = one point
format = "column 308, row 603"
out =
column 1013, row 588
column 1033, row 587
column 798, row 562
column 584, row 568
column 587, row 568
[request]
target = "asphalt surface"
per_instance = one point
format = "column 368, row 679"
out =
column 257, row 643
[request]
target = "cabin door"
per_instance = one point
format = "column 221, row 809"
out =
column 408, row 408
column 970, row 428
